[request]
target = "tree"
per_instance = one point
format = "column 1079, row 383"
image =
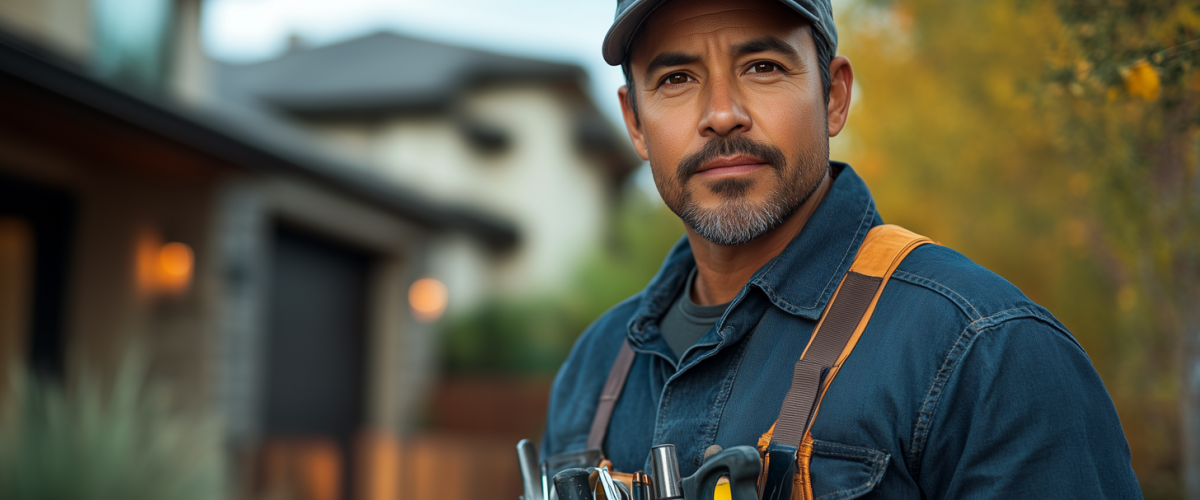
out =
column 1054, row 143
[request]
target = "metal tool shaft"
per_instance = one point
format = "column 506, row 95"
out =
column 607, row 484
column 665, row 465
column 527, row 460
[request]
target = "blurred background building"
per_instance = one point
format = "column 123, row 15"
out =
column 263, row 279
column 516, row 137
column 265, row 235
column 365, row 254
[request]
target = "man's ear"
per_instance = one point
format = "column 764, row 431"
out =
column 841, row 82
column 632, row 124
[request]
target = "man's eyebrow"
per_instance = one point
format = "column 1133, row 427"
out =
column 765, row 44
column 668, row 59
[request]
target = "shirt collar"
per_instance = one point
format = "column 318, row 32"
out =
column 802, row 278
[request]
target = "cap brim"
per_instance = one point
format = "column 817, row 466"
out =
column 616, row 42
column 620, row 35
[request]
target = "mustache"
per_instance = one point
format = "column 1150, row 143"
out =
column 730, row 146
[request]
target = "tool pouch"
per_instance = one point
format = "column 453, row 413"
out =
column 586, row 459
column 623, row 477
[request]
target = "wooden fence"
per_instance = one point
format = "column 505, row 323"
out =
column 467, row 452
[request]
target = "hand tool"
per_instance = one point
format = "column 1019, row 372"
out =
column 569, row 460
column 606, row 483
column 665, row 474
column 545, row 481
column 740, row 463
column 639, row 485
column 527, row 460
column 572, row 484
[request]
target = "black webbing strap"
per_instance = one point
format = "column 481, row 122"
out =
column 845, row 312
column 608, row 396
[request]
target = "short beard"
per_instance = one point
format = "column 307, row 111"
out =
column 738, row 220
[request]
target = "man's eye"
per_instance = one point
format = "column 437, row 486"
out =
column 763, row 67
column 677, row 79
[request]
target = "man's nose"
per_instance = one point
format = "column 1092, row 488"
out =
column 724, row 113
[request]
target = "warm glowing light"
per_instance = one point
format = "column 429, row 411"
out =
column 427, row 297
column 175, row 262
column 162, row 269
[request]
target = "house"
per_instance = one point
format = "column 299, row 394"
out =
column 265, row 232
column 516, row 137
column 264, row 280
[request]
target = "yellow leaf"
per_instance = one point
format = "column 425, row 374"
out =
column 1141, row 80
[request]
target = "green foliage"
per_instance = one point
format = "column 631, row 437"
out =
column 533, row 335
column 644, row 231
column 104, row 443
column 1106, row 38
column 527, row 337
column 1131, row 95
column 1128, row 76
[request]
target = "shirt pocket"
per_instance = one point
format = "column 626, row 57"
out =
column 842, row 471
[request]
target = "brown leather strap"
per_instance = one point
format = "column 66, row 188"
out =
column 608, row 397
column 845, row 312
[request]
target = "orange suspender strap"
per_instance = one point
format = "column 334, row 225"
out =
column 835, row 336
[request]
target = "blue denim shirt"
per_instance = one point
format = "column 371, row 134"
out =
column 960, row 387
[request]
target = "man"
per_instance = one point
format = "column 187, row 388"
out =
column 959, row 386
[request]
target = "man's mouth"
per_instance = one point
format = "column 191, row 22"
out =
column 731, row 165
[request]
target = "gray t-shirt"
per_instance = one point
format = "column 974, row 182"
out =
column 685, row 322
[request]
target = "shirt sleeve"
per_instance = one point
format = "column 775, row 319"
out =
column 1023, row 414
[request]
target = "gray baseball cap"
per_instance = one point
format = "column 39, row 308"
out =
column 631, row 14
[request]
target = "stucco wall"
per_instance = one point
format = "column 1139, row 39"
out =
column 556, row 195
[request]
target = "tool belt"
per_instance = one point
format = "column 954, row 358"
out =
column 785, row 450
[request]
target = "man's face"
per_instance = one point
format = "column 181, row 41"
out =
column 731, row 114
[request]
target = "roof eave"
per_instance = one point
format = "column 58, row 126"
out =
column 206, row 133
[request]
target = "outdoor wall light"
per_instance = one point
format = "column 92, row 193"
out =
column 163, row 268
column 427, row 297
